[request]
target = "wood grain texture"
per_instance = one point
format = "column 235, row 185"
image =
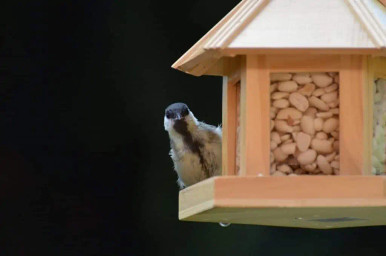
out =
column 307, row 24
column 351, row 124
column 254, row 117
column 302, row 62
column 257, row 27
column 227, row 66
column 372, row 22
column 302, row 51
column 229, row 126
column 300, row 201
column 197, row 49
column 195, row 198
column 297, row 217
column 384, row 187
column 368, row 117
column 238, row 111
column 299, row 187
column 231, row 83
column 235, row 24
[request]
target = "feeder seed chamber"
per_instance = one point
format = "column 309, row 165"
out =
column 304, row 112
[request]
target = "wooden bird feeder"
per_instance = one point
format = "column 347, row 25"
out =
column 303, row 115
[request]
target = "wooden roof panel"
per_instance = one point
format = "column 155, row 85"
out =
column 304, row 24
column 286, row 25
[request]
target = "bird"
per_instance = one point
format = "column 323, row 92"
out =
column 195, row 146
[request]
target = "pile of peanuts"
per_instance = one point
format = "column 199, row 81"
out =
column 304, row 123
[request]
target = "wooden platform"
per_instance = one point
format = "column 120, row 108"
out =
column 320, row 202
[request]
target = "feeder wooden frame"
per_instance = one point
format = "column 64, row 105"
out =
column 250, row 195
column 255, row 131
column 248, row 198
column 320, row 202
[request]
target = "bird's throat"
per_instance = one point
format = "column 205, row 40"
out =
column 194, row 145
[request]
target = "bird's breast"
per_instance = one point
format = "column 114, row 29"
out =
column 189, row 169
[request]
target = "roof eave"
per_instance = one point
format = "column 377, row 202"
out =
column 197, row 65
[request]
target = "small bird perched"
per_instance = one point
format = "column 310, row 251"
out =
column 195, row 146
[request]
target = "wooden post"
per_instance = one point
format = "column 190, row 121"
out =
column 231, row 80
column 229, row 126
column 351, row 118
column 368, row 117
column 254, row 117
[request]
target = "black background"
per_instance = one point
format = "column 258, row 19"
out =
column 84, row 165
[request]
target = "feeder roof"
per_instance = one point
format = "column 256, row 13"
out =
column 287, row 26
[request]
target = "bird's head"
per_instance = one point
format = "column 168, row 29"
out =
column 177, row 116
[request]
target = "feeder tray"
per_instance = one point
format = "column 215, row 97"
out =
column 305, row 201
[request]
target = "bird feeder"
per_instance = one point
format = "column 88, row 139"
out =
column 304, row 85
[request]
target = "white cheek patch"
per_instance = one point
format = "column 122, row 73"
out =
column 167, row 124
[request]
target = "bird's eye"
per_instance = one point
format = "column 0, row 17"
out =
column 168, row 115
column 185, row 112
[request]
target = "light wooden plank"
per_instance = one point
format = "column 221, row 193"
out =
column 197, row 49
column 226, row 66
column 297, row 217
column 368, row 117
column 231, row 69
column 298, row 201
column 369, row 21
column 351, row 123
column 302, row 51
column 196, row 198
column 207, row 51
column 254, row 117
column 331, row 24
column 299, row 63
column 243, row 135
column 257, row 27
column 298, row 187
column 238, row 111
column 236, row 24
column 200, row 63
column 229, row 126
column 384, row 187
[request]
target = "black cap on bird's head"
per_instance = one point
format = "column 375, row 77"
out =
column 176, row 111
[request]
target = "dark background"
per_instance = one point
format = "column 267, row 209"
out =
column 84, row 165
